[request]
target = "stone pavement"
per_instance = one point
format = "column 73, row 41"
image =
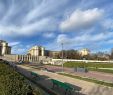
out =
column 86, row 88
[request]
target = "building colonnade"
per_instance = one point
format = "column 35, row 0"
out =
column 26, row 58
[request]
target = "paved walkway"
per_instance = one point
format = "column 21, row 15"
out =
column 86, row 88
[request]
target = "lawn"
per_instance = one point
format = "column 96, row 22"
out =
column 83, row 64
column 100, row 67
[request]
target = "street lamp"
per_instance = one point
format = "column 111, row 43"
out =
column 62, row 58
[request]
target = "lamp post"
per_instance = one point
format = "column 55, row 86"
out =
column 62, row 58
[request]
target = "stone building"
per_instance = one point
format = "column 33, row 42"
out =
column 37, row 51
column 84, row 52
column 36, row 54
column 4, row 48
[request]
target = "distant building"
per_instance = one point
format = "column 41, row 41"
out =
column 4, row 48
column 37, row 51
column 84, row 52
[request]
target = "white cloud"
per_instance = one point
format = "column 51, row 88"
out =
column 81, row 19
column 43, row 17
column 49, row 35
column 63, row 38
column 10, row 12
column 2, row 7
column 29, row 29
column 84, row 39
column 107, row 24
column 22, row 21
column 14, row 43
column 46, row 7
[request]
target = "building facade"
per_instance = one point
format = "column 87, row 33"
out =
column 84, row 52
column 4, row 48
column 37, row 51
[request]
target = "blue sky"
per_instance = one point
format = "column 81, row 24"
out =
column 76, row 23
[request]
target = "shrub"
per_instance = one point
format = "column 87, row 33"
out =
column 12, row 83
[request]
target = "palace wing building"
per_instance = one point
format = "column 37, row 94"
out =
column 37, row 51
column 84, row 52
column 4, row 48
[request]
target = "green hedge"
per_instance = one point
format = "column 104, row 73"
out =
column 12, row 83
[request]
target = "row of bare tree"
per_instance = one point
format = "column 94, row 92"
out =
column 74, row 54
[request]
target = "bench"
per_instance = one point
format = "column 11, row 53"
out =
column 65, row 86
column 35, row 75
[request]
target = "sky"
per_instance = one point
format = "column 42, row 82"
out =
column 75, row 23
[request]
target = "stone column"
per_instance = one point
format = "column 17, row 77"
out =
column 33, row 52
column 9, row 50
column 37, row 51
column 30, row 58
column 37, row 58
column 17, row 57
column 4, row 49
column 26, row 57
column 42, row 51
column 34, row 58
column 22, row 57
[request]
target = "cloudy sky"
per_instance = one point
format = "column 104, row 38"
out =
column 76, row 23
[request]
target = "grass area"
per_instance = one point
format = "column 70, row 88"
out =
column 101, row 70
column 91, row 66
column 89, row 80
column 83, row 64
